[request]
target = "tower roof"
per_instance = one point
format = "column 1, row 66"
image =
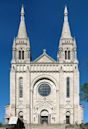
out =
column 22, row 33
column 66, row 33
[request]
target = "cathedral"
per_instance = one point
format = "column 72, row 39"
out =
column 44, row 90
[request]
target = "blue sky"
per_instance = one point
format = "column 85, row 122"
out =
column 44, row 19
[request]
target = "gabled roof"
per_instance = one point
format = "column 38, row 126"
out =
column 44, row 58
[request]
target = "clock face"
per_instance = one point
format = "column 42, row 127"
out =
column 44, row 89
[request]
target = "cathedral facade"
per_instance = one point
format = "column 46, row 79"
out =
column 45, row 90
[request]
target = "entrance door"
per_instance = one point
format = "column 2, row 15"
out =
column 44, row 117
column 67, row 119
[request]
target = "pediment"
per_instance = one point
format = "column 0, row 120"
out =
column 44, row 58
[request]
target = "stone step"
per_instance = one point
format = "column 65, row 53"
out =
column 45, row 126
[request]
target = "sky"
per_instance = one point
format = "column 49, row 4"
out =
column 44, row 20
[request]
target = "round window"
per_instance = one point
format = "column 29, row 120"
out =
column 44, row 89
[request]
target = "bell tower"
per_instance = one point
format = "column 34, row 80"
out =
column 21, row 44
column 67, row 52
column 20, row 73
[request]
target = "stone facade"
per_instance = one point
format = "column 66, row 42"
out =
column 45, row 90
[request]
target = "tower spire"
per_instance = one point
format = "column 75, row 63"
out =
column 66, row 33
column 22, row 33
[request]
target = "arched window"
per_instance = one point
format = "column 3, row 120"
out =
column 68, row 87
column 65, row 54
column 23, row 55
column 68, row 55
column 20, row 55
column 20, row 87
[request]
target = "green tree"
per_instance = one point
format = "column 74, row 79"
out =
column 84, row 92
column 0, row 124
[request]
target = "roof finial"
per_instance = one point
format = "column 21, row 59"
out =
column 22, row 10
column 44, row 51
column 22, row 13
column 65, row 11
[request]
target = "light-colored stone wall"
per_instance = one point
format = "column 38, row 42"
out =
column 56, row 103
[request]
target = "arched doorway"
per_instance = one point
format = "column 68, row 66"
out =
column 20, row 115
column 67, row 117
column 44, row 116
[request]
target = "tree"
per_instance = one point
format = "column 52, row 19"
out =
column 84, row 92
column 0, row 124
